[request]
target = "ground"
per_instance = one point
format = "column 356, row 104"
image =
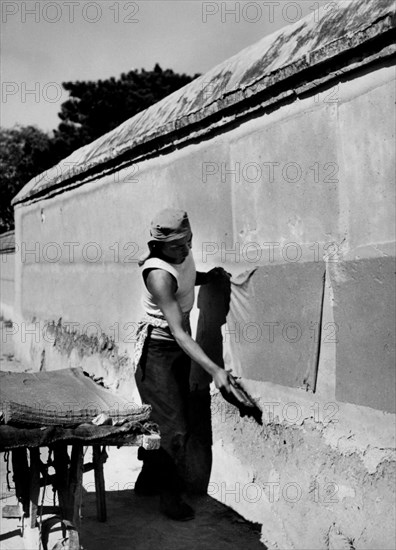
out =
column 133, row 523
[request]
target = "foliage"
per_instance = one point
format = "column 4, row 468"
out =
column 24, row 153
column 95, row 108
column 92, row 109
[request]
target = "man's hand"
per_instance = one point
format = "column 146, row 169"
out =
column 212, row 276
column 222, row 380
column 216, row 273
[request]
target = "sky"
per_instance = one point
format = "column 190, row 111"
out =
column 45, row 43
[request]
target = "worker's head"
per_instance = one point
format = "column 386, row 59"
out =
column 171, row 236
column 173, row 251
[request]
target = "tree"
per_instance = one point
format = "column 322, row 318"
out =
column 95, row 108
column 25, row 151
column 92, row 109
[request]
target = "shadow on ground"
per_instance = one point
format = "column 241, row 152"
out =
column 135, row 523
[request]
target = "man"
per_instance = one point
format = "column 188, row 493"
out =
column 163, row 353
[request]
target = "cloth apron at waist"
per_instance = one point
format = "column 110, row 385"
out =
column 146, row 325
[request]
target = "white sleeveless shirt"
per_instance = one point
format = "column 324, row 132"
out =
column 184, row 274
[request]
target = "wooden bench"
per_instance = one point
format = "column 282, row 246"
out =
column 31, row 474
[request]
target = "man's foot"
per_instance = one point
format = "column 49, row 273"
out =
column 173, row 506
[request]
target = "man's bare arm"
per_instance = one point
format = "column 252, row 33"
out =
column 162, row 286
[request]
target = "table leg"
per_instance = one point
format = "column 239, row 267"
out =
column 75, row 483
column 20, row 470
column 34, row 485
column 61, row 465
column 68, row 475
column 98, row 458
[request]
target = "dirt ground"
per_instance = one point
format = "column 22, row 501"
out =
column 133, row 523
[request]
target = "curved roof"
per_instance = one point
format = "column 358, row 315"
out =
column 7, row 242
column 304, row 44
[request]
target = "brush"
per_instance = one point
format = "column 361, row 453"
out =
column 239, row 397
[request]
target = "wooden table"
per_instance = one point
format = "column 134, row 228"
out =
column 59, row 409
column 30, row 474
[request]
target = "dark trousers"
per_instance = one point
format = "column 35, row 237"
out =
column 162, row 379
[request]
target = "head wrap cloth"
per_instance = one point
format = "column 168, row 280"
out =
column 167, row 225
column 170, row 224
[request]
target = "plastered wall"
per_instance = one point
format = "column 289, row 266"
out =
column 308, row 187
column 7, row 276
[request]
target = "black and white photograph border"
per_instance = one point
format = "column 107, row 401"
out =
column 197, row 252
